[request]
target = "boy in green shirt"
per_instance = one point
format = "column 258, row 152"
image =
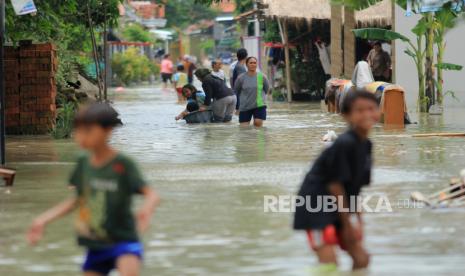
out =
column 105, row 181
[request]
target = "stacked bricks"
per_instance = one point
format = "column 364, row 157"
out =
column 12, row 98
column 32, row 96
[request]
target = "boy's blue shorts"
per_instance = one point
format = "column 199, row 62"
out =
column 104, row 260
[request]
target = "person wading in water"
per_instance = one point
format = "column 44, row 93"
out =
column 251, row 88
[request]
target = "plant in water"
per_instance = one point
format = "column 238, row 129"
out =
column 64, row 123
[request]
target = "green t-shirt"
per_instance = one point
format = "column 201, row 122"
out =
column 104, row 201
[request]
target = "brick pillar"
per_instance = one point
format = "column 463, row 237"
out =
column 37, row 69
column 12, row 122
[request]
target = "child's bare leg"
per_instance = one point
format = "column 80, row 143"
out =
column 326, row 254
column 91, row 273
column 258, row 122
column 359, row 255
column 128, row 265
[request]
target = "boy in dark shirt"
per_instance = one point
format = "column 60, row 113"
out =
column 105, row 181
column 340, row 172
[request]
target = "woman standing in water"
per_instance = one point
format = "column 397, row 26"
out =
column 251, row 89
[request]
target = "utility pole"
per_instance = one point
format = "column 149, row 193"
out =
column 2, row 82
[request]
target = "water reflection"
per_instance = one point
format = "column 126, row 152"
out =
column 212, row 179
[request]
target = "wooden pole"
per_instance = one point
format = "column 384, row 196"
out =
column 393, row 42
column 349, row 42
column 2, row 83
column 285, row 37
column 336, row 41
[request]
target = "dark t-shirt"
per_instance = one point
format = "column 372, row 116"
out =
column 215, row 89
column 348, row 161
column 238, row 71
column 104, row 201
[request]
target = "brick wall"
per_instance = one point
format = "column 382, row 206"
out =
column 30, row 89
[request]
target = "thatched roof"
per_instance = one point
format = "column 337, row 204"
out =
column 379, row 14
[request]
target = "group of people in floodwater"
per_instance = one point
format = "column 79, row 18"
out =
column 245, row 95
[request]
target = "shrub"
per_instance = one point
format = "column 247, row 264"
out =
column 131, row 66
column 64, row 123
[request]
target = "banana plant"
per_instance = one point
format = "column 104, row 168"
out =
column 445, row 20
column 430, row 88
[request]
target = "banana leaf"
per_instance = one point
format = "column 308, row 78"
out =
column 421, row 28
column 446, row 18
column 410, row 53
column 355, row 4
column 449, row 66
column 378, row 34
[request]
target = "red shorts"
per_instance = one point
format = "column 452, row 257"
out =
column 179, row 90
column 329, row 235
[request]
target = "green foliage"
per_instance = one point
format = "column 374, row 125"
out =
column 272, row 32
column 449, row 66
column 55, row 17
column 136, row 33
column 356, row 4
column 208, row 45
column 243, row 5
column 378, row 34
column 131, row 66
column 65, row 24
column 278, row 95
column 64, row 124
column 182, row 13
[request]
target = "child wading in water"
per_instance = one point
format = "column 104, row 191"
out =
column 340, row 172
column 179, row 80
column 105, row 181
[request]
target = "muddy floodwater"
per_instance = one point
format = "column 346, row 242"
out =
column 212, row 180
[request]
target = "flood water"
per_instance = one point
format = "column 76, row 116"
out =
column 212, row 179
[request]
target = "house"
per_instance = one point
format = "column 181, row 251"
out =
column 335, row 20
column 224, row 32
column 146, row 13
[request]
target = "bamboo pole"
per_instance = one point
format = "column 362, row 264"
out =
column 283, row 29
column 94, row 52
column 288, row 63
column 445, row 134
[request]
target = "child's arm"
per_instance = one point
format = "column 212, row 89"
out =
column 36, row 230
column 151, row 201
column 349, row 237
column 182, row 115
column 337, row 190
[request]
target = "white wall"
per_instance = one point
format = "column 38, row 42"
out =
column 406, row 74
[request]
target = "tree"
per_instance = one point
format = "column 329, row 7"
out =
column 241, row 5
column 136, row 33
column 182, row 13
column 63, row 23
column 432, row 27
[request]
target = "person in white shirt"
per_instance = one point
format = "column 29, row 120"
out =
column 217, row 71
